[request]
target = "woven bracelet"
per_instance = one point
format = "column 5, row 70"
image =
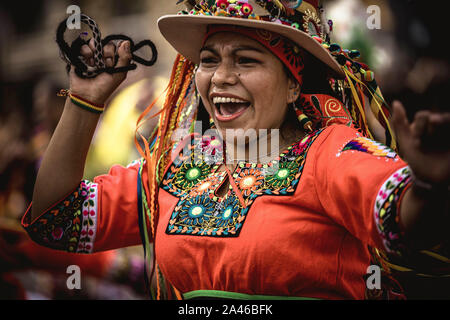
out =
column 86, row 105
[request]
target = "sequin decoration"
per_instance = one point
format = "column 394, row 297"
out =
column 200, row 212
column 312, row 23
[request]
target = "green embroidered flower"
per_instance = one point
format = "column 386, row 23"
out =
column 283, row 177
column 190, row 174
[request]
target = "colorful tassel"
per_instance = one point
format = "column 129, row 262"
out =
column 157, row 155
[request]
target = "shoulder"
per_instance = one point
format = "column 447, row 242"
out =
column 340, row 141
column 339, row 132
column 335, row 136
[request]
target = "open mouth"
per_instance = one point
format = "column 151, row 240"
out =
column 228, row 109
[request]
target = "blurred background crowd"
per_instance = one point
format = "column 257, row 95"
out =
column 408, row 54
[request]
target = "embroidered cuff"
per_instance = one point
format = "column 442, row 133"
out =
column 71, row 224
column 386, row 210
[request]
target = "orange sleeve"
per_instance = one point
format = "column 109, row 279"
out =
column 98, row 216
column 360, row 184
column 39, row 257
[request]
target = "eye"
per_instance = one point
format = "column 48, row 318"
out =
column 208, row 60
column 247, row 60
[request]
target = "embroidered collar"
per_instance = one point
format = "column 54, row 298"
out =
column 195, row 182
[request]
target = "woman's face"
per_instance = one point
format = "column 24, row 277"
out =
column 242, row 84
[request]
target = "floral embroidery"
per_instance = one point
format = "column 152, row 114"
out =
column 200, row 216
column 210, row 149
column 71, row 224
column 190, row 174
column 386, row 210
column 250, row 180
column 294, row 56
column 200, row 212
column 283, row 177
column 366, row 145
column 89, row 224
column 195, row 211
column 229, row 213
column 211, row 145
column 207, row 186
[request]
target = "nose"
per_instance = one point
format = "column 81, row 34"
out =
column 224, row 75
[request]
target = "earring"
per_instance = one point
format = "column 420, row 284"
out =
column 305, row 122
column 212, row 125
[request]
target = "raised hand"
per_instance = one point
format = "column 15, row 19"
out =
column 424, row 143
column 97, row 90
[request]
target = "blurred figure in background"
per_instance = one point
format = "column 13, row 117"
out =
column 423, row 82
column 29, row 271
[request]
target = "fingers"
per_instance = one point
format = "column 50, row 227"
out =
column 124, row 53
column 400, row 120
column 433, row 130
column 87, row 52
column 421, row 124
column 88, row 55
column 440, row 122
column 440, row 119
column 112, row 53
column 92, row 44
column 109, row 52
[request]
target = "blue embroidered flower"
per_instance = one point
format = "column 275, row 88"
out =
column 228, row 214
column 196, row 211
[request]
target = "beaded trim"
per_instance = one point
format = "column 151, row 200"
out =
column 386, row 210
column 90, row 214
column 71, row 224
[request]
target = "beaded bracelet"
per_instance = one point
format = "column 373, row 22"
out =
column 86, row 105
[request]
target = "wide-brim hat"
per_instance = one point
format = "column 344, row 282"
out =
column 298, row 22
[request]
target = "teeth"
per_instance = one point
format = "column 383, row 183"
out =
column 217, row 100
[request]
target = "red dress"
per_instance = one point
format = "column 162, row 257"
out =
column 302, row 227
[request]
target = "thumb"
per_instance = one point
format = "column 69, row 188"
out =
column 400, row 123
column 399, row 119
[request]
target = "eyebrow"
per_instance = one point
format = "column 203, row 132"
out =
column 240, row 48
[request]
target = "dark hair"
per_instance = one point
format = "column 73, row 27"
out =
column 315, row 76
column 203, row 116
column 315, row 80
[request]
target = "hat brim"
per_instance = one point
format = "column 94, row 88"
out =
column 186, row 34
